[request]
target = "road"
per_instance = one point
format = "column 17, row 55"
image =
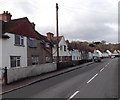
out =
column 99, row 80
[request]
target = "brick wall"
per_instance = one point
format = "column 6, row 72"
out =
column 41, row 51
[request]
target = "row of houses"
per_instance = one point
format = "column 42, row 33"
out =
column 21, row 45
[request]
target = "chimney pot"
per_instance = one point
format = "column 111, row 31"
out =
column 50, row 35
column 5, row 16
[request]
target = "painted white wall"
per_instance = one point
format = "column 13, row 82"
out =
column 97, row 53
column 9, row 49
column 15, row 74
column 0, row 57
column 62, row 52
column 115, row 53
column 109, row 53
column 90, row 55
column 105, row 54
column 76, row 54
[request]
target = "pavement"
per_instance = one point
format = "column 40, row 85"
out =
column 23, row 83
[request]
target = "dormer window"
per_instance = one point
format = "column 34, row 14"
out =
column 19, row 40
column 32, row 42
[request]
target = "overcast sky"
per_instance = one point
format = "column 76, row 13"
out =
column 83, row 20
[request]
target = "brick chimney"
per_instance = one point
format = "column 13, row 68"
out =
column 5, row 16
column 50, row 35
column 33, row 24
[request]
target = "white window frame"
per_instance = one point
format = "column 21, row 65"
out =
column 17, row 58
column 21, row 40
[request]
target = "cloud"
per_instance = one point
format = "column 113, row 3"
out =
column 29, row 7
column 89, row 20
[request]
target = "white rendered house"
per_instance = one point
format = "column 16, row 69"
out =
column 97, row 53
column 76, row 54
column 14, row 54
column 64, row 53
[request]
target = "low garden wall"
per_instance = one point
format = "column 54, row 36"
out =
column 14, row 74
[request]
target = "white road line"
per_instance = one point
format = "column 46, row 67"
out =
column 73, row 95
column 107, row 64
column 102, row 69
column 92, row 78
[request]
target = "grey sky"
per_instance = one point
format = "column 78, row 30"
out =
column 90, row 20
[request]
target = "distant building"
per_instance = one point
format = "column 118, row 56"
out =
column 97, row 53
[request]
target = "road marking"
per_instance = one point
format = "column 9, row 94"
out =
column 73, row 95
column 92, row 78
column 102, row 69
column 107, row 64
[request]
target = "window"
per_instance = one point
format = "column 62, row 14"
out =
column 60, row 58
column 47, row 45
column 32, row 42
column 15, row 61
column 35, row 60
column 19, row 40
column 47, row 59
column 54, row 58
column 61, row 47
column 64, row 47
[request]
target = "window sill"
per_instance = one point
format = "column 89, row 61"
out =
column 19, row 45
column 32, row 47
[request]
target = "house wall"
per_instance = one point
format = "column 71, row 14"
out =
column 66, row 55
column 109, row 52
column 41, row 51
column 9, row 49
column 0, row 58
column 76, row 55
column 62, row 52
column 90, row 55
column 97, row 53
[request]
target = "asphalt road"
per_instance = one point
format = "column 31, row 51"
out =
column 99, row 80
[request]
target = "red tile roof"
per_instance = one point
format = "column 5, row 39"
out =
column 55, row 38
column 22, row 26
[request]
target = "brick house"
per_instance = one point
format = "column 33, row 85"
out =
column 39, row 51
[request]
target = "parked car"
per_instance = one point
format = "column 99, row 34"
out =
column 112, row 57
column 96, row 59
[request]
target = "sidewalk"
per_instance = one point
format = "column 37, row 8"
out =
column 32, row 80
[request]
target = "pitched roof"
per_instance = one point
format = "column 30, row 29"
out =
column 42, row 37
column 54, row 39
column 22, row 26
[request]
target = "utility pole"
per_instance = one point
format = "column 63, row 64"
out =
column 57, row 35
